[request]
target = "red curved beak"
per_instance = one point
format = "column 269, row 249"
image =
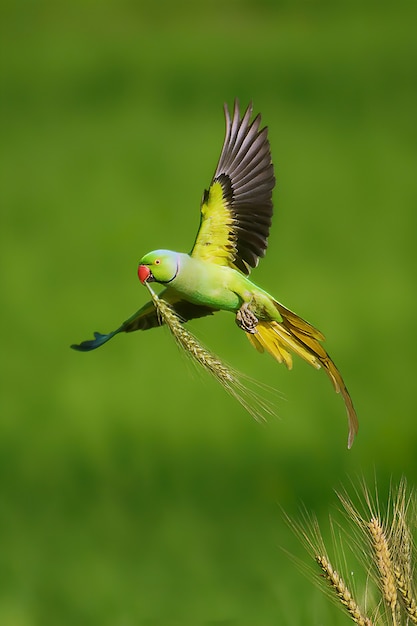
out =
column 144, row 273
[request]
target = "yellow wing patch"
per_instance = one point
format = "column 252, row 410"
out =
column 215, row 240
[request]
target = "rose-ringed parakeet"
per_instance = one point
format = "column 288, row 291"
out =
column 236, row 214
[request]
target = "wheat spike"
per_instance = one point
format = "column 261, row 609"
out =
column 406, row 594
column 385, row 565
column 230, row 379
column 342, row 592
column 383, row 543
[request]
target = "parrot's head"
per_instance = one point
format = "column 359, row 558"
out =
column 160, row 266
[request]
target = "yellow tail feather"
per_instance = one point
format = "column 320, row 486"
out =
column 296, row 334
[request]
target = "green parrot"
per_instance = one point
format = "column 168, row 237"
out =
column 236, row 215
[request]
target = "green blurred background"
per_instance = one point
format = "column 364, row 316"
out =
column 133, row 490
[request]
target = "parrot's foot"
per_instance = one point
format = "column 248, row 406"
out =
column 246, row 319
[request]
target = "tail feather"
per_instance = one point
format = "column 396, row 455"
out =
column 295, row 334
column 266, row 338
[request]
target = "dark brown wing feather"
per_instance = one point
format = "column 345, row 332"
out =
column 147, row 317
column 236, row 212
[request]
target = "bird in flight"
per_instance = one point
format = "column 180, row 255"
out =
column 236, row 216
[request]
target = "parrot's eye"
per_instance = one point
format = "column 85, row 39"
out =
column 157, row 261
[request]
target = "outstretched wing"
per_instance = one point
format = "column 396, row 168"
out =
column 236, row 211
column 147, row 317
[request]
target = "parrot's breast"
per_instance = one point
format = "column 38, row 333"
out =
column 207, row 284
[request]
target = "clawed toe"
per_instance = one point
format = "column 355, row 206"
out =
column 246, row 319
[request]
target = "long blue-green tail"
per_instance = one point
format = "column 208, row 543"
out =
column 141, row 320
column 99, row 340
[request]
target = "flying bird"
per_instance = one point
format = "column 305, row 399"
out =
column 236, row 216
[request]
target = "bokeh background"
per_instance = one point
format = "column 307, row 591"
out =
column 133, row 490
